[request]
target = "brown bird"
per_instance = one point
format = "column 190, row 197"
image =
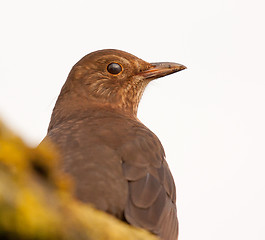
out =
column 117, row 163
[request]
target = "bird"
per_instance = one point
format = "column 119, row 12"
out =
column 117, row 164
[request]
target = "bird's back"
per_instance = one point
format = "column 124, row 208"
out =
column 119, row 166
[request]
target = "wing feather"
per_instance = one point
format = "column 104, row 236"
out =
column 151, row 193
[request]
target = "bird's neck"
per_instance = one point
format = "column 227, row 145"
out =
column 71, row 105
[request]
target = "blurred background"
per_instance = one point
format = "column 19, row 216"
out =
column 210, row 118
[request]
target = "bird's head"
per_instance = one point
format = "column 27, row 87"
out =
column 113, row 78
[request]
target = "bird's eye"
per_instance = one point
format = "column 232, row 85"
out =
column 114, row 68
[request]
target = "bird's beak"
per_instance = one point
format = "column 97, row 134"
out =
column 161, row 69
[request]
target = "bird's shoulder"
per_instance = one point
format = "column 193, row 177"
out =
column 111, row 128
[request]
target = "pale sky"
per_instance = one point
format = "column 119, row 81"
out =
column 210, row 118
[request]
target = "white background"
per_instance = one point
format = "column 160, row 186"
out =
column 210, row 117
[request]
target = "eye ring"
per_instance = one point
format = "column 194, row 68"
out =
column 114, row 68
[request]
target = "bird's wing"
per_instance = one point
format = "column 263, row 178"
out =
column 152, row 197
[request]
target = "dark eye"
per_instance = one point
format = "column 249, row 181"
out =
column 114, row 68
